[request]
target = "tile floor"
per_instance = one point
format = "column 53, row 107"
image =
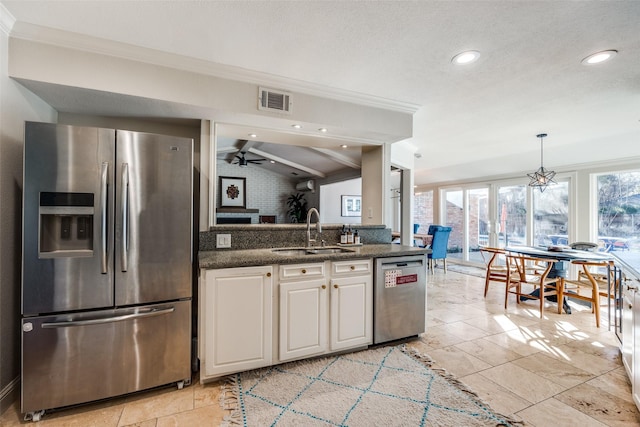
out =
column 556, row 371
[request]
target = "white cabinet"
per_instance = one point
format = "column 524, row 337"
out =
column 626, row 347
column 235, row 321
column 319, row 308
column 303, row 318
column 351, row 304
column 630, row 319
column 635, row 377
column 321, row 313
column 303, row 310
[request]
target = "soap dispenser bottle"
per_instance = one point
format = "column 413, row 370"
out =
column 349, row 236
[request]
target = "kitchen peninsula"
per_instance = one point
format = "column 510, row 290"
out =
column 267, row 300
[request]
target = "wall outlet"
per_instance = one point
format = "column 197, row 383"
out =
column 223, row 240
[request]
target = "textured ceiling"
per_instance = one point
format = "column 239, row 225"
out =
column 479, row 120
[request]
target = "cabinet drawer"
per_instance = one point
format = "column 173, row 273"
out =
column 297, row 271
column 351, row 266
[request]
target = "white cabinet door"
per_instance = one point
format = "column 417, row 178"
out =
column 235, row 320
column 627, row 346
column 351, row 311
column 635, row 378
column 303, row 318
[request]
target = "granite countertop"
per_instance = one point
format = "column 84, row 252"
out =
column 256, row 257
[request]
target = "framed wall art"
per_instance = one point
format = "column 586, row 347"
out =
column 351, row 206
column 233, row 192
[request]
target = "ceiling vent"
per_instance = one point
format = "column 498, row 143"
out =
column 274, row 100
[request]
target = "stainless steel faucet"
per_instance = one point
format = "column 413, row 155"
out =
column 318, row 226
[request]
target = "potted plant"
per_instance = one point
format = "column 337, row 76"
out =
column 297, row 208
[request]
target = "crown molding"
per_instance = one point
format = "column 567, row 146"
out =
column 60, row 38
column 6, row 20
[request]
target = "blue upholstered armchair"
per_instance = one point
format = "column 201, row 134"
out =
column 438, row 245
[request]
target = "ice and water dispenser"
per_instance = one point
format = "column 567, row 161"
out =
column 66, row 224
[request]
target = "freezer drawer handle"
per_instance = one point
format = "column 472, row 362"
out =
column 103, row 221
column 140, row 315
column 125, row 216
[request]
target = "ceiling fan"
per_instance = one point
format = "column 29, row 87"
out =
column 243, row 162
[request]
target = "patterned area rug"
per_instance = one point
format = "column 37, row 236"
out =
column 386, row 386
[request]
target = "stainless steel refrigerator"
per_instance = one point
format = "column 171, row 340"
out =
column 107, row 264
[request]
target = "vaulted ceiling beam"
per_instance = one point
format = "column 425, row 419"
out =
column 288, row 163
column 337, row 157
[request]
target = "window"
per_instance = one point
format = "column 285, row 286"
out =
column 619, row 212
column 512, row 215
column 506, row 213
column 551, row 215
column 467, row 213
column 477, row 222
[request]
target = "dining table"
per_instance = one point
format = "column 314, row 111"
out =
column 562, row 257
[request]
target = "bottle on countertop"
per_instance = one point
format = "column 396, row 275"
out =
column 356, row 237
column 349, row 236
column 343, row 235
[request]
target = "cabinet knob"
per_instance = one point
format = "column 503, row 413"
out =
column 304, row 271
column 335, row 285
column 324, row 286
column 268, row 274
column 353, row 267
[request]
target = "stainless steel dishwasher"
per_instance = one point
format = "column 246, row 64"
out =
column 400, row 295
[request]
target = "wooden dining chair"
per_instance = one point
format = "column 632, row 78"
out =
column 603, row 273
column 531, row 286
column 590, row 285
column 495, row 266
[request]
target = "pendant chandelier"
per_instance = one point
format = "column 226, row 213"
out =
column 541, row 178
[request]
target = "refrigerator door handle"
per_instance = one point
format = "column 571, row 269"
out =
column 100, row 321
column 103, row 221
column 124, row 255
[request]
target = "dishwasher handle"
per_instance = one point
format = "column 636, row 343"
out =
column 404, row 264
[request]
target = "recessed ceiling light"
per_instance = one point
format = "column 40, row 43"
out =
column 344, row 146
column 466, row 57
column 323, row 130
column 272, row 161
column 599, row 57
column 253, row 135
column 296, row 126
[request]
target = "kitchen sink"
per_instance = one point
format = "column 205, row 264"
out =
column 310, row 251
column 290, row 252
column 328, row 250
